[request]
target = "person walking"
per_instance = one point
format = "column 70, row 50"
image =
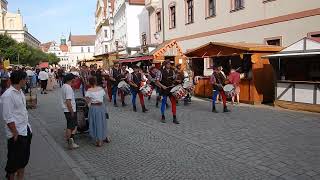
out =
column 43, row 77
column 165, row 80
column 69, row 108
column 135, row 80
column 115, row 77
column 217, row 80
column 234, row 79
column 96, row 98
column 18, row 129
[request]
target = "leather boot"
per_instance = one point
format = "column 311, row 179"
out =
column 175, row 121
column 225, row 109
column 163, row 119
column 214, row 109
column 134, row 108
column 144, row 109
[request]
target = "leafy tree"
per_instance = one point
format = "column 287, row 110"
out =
column 52, row 59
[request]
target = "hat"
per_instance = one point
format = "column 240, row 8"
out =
column 69, row 77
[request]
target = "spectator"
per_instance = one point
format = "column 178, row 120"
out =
column 69, row 108
column 18, row 129
column 43, row 77
column 234, row 78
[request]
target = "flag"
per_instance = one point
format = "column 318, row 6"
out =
column 6, row 63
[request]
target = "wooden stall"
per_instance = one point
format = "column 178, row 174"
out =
column 169, row 50
column 256, row 87
column 297, row 72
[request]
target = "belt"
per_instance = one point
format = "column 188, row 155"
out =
column 96, row 104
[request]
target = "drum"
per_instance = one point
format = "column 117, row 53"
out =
column 146, row 90
column 229, row 90
column 178, row 92
column 124, row 87
column 188, row 86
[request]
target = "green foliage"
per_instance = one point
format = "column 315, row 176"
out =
column 23, row 53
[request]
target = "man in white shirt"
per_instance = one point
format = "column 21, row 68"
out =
column 69, row 107
column 18, row 129
column 43, row 77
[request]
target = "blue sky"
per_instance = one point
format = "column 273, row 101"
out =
column 48, row 19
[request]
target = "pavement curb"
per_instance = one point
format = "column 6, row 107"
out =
column 56, row 147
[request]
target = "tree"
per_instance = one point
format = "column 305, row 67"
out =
column 52, row 59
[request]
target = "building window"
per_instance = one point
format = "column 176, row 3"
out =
column 82, row 49
column 275, row 41
column 106, row 33
column 190, row 11
column 237, row 5
column 88, row 49
column 172, row 16
column 211, row 8
column 158, row 16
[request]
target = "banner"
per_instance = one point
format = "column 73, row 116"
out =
column 6, row 63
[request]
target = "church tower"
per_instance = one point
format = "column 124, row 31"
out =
column 63, row 40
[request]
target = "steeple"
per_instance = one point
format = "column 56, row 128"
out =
column 63, row 40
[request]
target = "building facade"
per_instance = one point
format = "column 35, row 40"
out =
column 103, row 26
column 130, row 22
column 194, row 23
column 12, row 24
column 60, row 50
column 80, row 47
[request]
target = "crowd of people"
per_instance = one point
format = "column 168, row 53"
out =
column 98, row 86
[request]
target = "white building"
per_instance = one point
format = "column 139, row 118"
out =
column 12, row 24
column 60, row 50
column 194, row 23
column 103, row 26
column 130, row 22
column 80, row 47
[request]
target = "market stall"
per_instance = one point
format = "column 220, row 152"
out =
column 297, row 71
column 257, row 84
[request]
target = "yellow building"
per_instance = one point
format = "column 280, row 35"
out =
column 12, row 24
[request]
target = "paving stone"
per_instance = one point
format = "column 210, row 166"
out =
column 203, row 146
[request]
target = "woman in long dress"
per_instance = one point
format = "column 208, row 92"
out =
column 96, row 98
column 51, row 80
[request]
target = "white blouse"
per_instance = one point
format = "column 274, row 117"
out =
column 96, row 96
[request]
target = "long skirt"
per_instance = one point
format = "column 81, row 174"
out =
column 97, row 122
column 50, row 84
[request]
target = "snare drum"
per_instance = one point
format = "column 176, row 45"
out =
column 178, row 92
column 124, row 87
column 229, row 90
column 188, row 86
column 146, row 90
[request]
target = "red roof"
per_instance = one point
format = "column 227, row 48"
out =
column 82, row 40
column 64, row 48
column 45, row 47
column 137, row 2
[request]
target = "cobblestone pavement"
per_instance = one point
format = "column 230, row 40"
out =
column 248, row 143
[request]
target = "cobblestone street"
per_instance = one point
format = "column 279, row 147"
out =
column 248, row 143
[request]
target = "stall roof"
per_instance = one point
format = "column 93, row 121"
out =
column 303, row 47
column 135, row 58
column 238, row 46
column 168, row 48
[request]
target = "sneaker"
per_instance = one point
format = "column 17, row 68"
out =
column 163, row 119
column 72, row 145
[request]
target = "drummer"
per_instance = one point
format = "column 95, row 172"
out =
column 165, row 80
column 123, row 77
column 154, row 72
column 218, row 80
column 135, row 80
column 115, row 77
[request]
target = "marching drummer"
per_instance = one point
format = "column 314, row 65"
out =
column 135, row 80
column 155, row 72
column 218, row 80
column 165, row 80
column 123, row 77
column 115, row 77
